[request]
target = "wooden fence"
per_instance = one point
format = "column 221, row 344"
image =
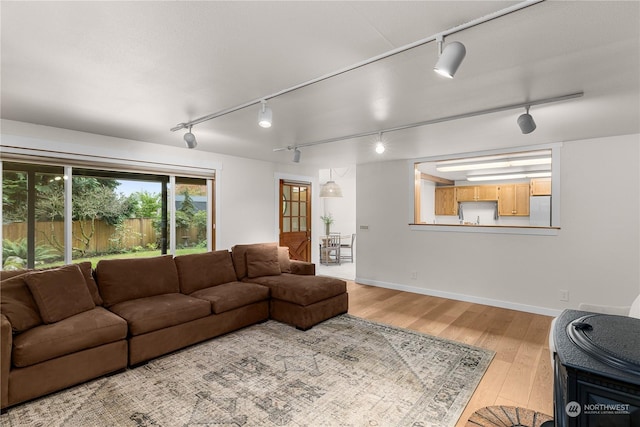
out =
column 106, row 238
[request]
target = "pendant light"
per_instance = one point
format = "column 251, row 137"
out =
column 330, row 189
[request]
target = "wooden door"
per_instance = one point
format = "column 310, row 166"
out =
column 295, row 219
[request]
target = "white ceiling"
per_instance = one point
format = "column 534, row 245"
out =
column 136, row 69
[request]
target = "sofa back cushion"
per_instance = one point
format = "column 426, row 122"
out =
column 200, row 271
column 87, row 272
column 283, row 259
column 126, row 279
column 239, row 255
column 59, row 293
column 8, row 274
column 18, row 304
column 262, row 261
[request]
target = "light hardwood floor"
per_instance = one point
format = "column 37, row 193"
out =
column 520, row 373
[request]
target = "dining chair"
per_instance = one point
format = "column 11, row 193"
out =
column 330, row 246
column 349, row 246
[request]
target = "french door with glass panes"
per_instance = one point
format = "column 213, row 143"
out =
column 295, row 219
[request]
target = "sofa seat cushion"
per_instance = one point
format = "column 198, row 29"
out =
column 301, row 290
column 82, row 331
column 232, row 295
column 160, row 311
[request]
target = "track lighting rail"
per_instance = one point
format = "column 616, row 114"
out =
column 508, row 10
column 438, row 120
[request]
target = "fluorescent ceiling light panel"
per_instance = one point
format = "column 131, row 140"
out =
column 507, row 163
column 509, row 176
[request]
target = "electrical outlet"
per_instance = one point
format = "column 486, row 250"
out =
column 564, row 295
column 414, row 275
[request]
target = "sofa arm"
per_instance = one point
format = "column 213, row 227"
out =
column 6, row 342
column 303, row 268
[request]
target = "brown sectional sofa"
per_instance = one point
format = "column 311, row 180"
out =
column 298, row 297
column 64, row 326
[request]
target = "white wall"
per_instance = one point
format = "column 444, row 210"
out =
column 595, row 256
column 342, row 209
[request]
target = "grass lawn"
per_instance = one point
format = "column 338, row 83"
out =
column 142, row 254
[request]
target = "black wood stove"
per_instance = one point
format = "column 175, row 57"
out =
column 597, row 370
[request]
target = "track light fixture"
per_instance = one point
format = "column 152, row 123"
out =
column 190, row 139
column 264, row 115
column 455, row 49
column 526, row 123
column 450, row 57
column 493, row 110
column 296, row 155
column 380, row 145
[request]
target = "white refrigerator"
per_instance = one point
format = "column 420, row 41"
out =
column 540, row 211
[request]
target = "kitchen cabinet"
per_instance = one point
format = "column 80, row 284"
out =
column 513, row 199
column 487, row 192
column 477, row 193
column 445, row 201
column 541, row 187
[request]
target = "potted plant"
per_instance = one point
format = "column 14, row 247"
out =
column 328, row 220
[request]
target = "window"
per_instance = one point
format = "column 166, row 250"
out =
column 191, row 204
column 513, row 188
column 32, row 215
column 114, row 215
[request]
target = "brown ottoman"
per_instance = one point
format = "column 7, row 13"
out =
column 304, row 301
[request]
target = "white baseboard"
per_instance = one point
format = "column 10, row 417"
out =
column 462, row 297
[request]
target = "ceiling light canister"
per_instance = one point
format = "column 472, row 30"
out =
column 450, row 58
column 190, row 139
column 526, row 123
column 264, row 115
column 380, row 145
column 296, row 155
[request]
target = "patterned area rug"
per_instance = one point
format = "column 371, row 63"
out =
column 346, row 371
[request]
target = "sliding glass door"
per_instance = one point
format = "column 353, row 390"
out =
column 114, row 215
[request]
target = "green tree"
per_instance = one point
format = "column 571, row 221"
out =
column 14, row 196
column 146, row 204
column 187, row 207
column 92, row 199
column 97, row 202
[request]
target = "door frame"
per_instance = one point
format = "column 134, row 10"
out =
column 315, row 253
